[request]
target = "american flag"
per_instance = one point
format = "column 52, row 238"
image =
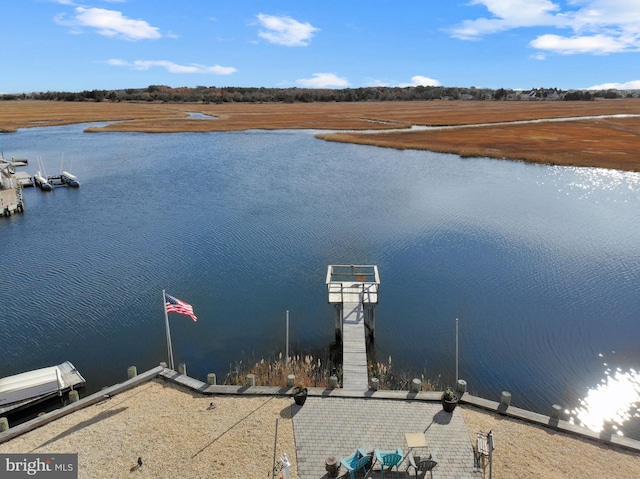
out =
column 174, row 305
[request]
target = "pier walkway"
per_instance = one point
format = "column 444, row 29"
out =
column 354, row 348
column 353, row 290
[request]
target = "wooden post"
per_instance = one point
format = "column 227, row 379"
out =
column 251, row 380
column 333, row 382
column 291, row 380
column 4, row 424
column 132, row 372
column 375, row 384
column 74, row 396
column 211, row 378
column 182, row 369
column 461, row 387
column 416, row 385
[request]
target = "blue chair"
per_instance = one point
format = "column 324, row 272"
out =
column 389, row 459
column 357, row 461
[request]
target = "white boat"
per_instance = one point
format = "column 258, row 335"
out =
column 24, row 389
column 42, row 182
column 69, row 179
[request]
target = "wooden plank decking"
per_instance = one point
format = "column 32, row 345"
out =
column 354, row 348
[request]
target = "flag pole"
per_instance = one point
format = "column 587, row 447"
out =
column 166, row 322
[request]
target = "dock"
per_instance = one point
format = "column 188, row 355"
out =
column 11, row 200
column 353, row 290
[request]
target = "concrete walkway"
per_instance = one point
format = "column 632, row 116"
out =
column 332, row 426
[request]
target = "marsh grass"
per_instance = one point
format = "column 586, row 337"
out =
column 596, row 142
column 309, row 370
column 605, row 143
column 315, row 371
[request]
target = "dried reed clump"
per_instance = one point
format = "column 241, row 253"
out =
column 314, row 372
column 307, row 369
column 392, row 380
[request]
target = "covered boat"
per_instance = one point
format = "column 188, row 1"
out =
column 24, row 389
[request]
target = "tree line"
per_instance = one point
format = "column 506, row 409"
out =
column 213, row 94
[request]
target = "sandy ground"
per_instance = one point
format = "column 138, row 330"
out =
column 178, row 434
column 525, row 451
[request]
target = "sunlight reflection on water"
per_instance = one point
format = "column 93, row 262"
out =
column 614, row 401
column 589, row 180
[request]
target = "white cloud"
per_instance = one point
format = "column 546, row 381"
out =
column 110, row 23
column 173, row 67
column 630, row 85
column 323, row 80
column 578, row 44
column 595, row 26
column 285, row 31
column 420, row 80
column 508, row 14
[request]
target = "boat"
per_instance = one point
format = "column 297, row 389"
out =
column 41, row 182
column 29, row 388
column 69, row 179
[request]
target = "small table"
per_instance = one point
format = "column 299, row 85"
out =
column 415, row 439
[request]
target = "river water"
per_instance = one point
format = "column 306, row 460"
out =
column 539, row 264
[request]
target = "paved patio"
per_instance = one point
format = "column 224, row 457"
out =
column 338, row 426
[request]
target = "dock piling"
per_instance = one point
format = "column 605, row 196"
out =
column 416, row 385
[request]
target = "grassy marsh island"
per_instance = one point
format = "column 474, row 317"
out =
column 603, row 141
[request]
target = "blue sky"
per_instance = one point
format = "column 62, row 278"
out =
column 65, row 45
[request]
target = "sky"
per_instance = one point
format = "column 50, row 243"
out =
column 66, row 45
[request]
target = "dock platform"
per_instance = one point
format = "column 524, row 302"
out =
column 353, row 290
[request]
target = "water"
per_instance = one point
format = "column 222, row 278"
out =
column 540, row 264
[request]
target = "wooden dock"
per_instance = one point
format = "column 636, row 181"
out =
column 354, row 348
column 353, row 290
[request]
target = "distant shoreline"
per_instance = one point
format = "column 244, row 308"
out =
column 586, row 142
